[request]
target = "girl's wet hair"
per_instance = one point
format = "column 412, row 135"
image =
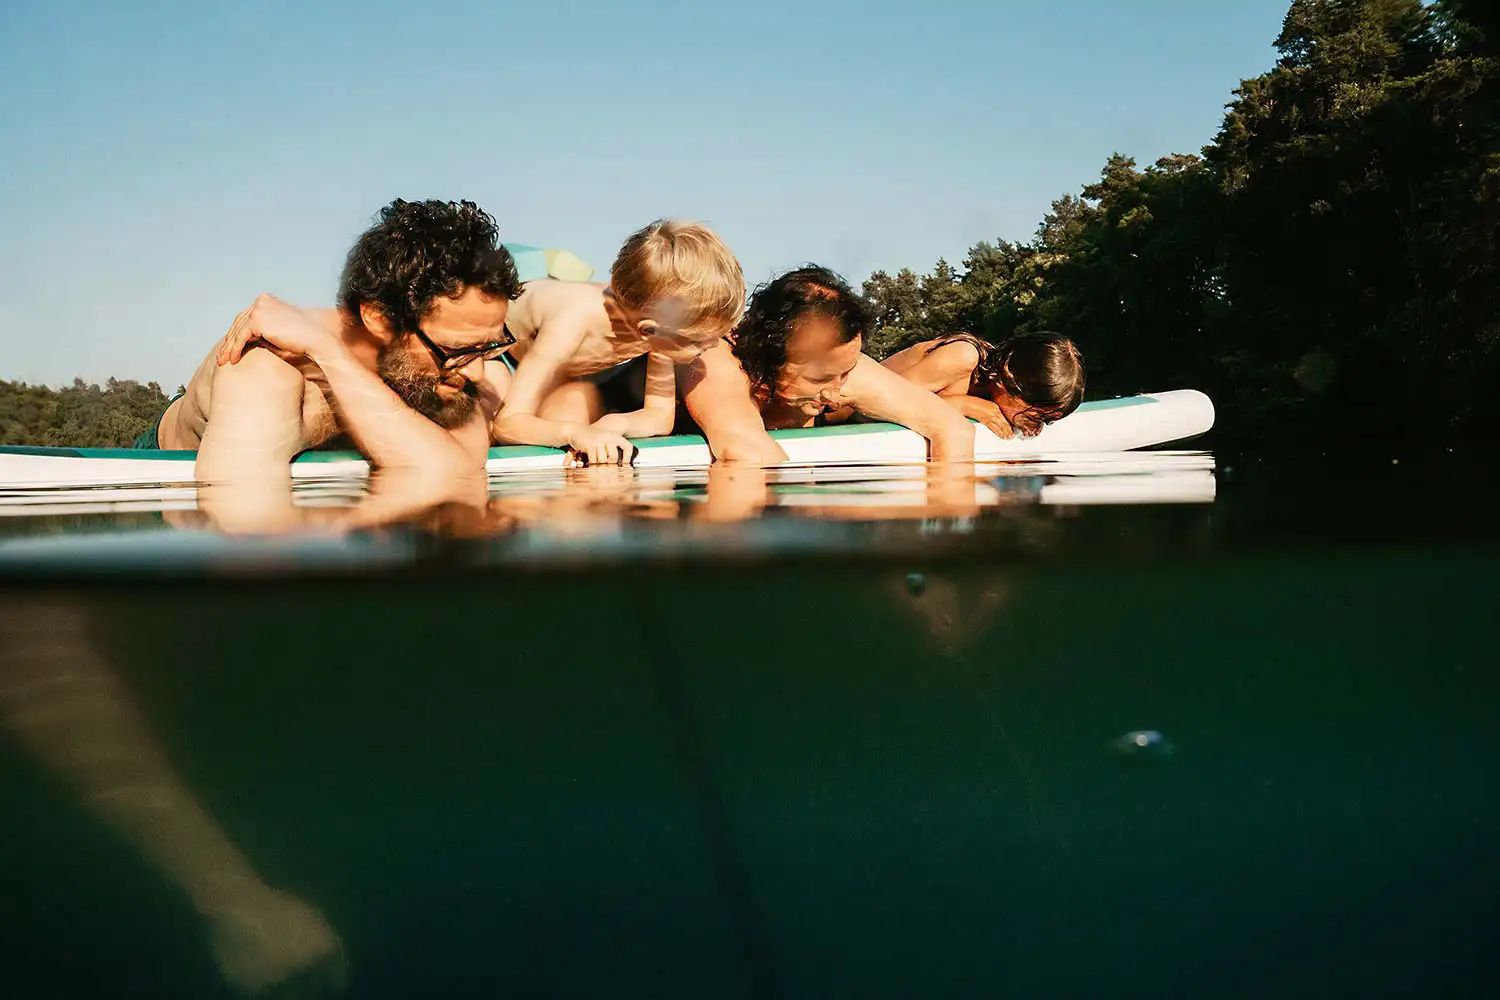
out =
column 1043, row 370
column 760, row 340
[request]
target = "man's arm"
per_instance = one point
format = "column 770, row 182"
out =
column 881, row 394
column 254, row 429
column 387, row 431
column 659, row 412
column 255, row 421
column 717, row 395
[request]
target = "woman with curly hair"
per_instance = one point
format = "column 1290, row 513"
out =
column 797, row 357
column 1020, row 385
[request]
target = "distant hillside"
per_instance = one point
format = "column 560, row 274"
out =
column 81, row 415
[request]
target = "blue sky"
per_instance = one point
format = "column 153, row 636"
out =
column 161, row 163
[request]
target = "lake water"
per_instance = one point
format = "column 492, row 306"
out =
column 1166, row 724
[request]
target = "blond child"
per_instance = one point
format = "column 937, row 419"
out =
column 595, row 364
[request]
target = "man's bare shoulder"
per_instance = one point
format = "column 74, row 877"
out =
column 259, row 376
column 186, row 419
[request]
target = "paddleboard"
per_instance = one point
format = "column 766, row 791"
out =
column 1105, row 425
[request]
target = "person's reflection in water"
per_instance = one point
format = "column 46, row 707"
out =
column 735, row 492
column 956, row 612
column 394, row 496
column 587, row 501
column 949, row 490
column 62, row 702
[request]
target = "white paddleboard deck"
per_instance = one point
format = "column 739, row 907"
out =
column 1100, row 426
column 1076, row 479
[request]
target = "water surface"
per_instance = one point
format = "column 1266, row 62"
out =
column 856, row 733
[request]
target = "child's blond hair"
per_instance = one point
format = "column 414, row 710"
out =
column 683, row 275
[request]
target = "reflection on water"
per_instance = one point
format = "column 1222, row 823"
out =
column 956, row 613
column 1085, row 730
column 584, row 511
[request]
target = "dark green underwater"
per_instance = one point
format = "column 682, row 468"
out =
column 745, row 770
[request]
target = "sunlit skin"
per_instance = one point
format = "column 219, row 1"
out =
column 812, row 381
column 956, row 614
column 470, row 319
column 823, row 372
column 737, row 492
column 949, row 371
column 568, row 329
column 585, row 501
column 285, row 379
column 62, row 703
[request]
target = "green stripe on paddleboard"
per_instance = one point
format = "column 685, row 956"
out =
column 24, row 449
column 518, row 451
column 148, row 454
column 504, row 452
column 843, row 430
column 1115, row 404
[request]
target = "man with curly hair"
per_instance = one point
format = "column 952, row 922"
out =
column 795, row 358
column 405, row 369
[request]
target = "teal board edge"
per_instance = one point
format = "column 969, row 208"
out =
column 510, row 451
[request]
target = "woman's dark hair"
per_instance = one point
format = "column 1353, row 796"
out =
column 420, row 250
column 1044, row 370
column 759, row 342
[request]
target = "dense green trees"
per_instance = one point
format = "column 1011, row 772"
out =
column 1330, row 257
column 83, row 416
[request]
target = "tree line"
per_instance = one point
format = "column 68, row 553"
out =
column 1328, row 261
column 81, row 415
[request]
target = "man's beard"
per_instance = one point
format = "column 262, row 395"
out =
column 419, row 389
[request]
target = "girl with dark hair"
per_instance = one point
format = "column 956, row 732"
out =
column 1020, row 385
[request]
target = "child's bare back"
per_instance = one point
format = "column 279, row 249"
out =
column 606, row 341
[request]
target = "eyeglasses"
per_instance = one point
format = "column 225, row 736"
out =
column 450, row 359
